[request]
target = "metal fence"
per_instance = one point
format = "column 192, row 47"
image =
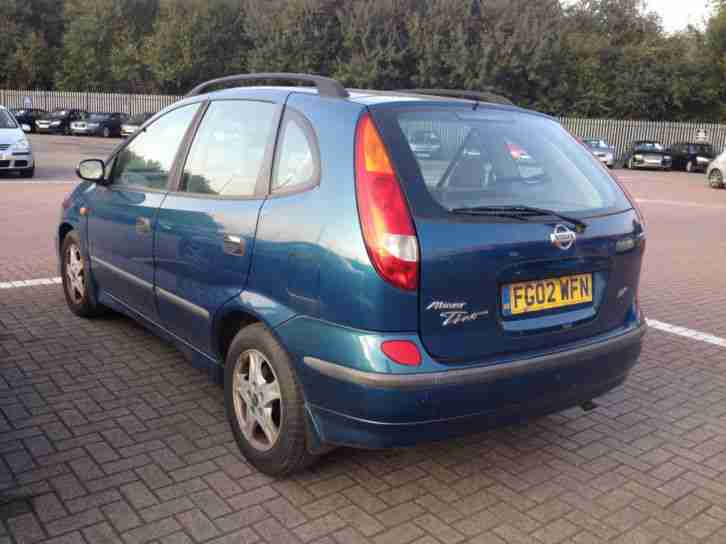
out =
column 618, row 132
column 110, row 102
column 621, row 133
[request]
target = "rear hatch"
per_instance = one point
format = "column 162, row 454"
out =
column 520, row 251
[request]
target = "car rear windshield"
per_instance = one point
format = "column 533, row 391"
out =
column 7, row 120
column 649, row 146
column 99, row 116
column 490, row 157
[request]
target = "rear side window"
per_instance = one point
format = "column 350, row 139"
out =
column 228, row 153
column 298, row 161
column 506, row 158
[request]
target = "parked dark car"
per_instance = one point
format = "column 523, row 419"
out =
column 59, row 121
column 99, row 124
column 133, row 123
column 351, row 292
column 28, row 116
column 692, row 157
column 647, row 154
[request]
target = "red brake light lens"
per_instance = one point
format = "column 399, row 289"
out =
column 403, row 352
column 386, row 222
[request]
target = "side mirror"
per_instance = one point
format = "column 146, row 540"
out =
column 26, row 128
column 92, row 170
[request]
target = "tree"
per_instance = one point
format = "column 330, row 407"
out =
column 193, row 41
column 376, row 52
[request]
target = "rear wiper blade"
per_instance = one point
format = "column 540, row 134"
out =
column 519, row 212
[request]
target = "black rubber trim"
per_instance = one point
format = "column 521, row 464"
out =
column 480, row 374
column 326, row 86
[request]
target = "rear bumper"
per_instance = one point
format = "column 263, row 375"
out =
column 378, row 410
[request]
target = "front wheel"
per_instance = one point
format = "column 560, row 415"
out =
column 264, row 403
column 715, row 179
column 75, row 277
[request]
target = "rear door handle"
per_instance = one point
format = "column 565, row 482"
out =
column 143, row 225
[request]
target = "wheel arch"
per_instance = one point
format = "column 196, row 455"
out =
column 241, row 311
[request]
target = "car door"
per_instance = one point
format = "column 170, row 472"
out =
column 206, row 228
column 122, row 214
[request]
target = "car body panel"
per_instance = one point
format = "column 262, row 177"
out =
column 121, row 254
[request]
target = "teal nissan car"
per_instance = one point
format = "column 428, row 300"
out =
column 349, row 290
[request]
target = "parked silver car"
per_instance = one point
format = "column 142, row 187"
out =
column 604, row 152
column 16, row 154
column 716, row 171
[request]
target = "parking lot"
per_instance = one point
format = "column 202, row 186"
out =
column 107, row 434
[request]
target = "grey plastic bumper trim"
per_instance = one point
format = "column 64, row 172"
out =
column 480, row 374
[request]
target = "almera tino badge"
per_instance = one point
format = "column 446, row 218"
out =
column 455, row 313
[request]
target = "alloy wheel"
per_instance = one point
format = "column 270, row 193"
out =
column 257, row 400
column 75, row 277
column 716, row 179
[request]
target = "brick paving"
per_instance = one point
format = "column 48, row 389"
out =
column 108, row 434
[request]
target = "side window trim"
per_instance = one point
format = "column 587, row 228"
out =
column 312, row 140
column 264, row 178
column 174, row 168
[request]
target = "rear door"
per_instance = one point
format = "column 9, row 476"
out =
column 494, row 284
column 122, row 215
column 206, row 228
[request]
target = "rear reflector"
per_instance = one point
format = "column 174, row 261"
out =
column 386, row 222
column 402, row 352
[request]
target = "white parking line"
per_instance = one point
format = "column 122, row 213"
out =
column 687, row 333
column 676, row 203
column 29, row 283
column 35, row 182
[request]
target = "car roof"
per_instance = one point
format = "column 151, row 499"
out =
column 364, row 97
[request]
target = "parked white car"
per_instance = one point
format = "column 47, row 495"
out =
column 716, row 172
column 16, row 153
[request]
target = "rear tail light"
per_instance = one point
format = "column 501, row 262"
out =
column 403, row 352
column 386, row 222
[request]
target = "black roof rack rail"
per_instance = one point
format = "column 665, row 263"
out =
column 326, row 86
column 485, row 96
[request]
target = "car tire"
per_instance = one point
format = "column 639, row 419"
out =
column 270, row 431
column 29, row 173
column 106, row 132
column 715, row 179
column 75, row 275
column 67, row 131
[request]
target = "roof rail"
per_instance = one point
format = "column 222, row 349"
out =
column 485, row 96
column 326, row 86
